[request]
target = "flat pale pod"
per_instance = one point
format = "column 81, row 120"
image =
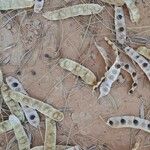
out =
column 86, row 75
column 114, row 2
column 21, row 136
column 129, row 122
column 139, row 59
column 133, row 10
column 144, row 51
column 15, row 4
column 5, row 126
column 38, row 5
column 128, row 68
column 13, row 105
column 42, row 107
column 50, row 135
column 120, row 26
column 73, row 11
column 30, row 113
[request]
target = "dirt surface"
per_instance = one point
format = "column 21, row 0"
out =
column 30, row 48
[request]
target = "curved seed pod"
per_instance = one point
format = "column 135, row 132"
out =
column 133, row 10
column 22, row 138
column 110, row 77
column 12, row 104
column 50, row 135
column 144, row 51
column 120, row 26
column 5, row 126
column 140, row 60
column 42, row 107
column 31, row 114
column 133, row 75
column 104, row 55
column 38, row 5
column 15, row 4
column 86, row 75
column 73, row 11
column 114, row 2
column 129, row 122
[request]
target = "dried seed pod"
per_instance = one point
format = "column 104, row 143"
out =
column 50, row 135
column 38, row 5
column 133, row 10
column 30, row 113
column 127, row 67
column 144, row 51
column 114, row 2
column 120, row 26
column 112, row 74
column 12, row 104
column 42, row 107
column 15, row 4
column 140, row 60
column 110, row 77
column 5, row 126
column 22, row 138
column 73, row 11
column 129, row 122
column 104, row 55
column 86, row 75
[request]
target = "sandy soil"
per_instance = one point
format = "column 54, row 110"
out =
column 30, row 47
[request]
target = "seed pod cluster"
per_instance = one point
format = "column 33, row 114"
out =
column 30, row 113
column 42, row 107
column 129, row 122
